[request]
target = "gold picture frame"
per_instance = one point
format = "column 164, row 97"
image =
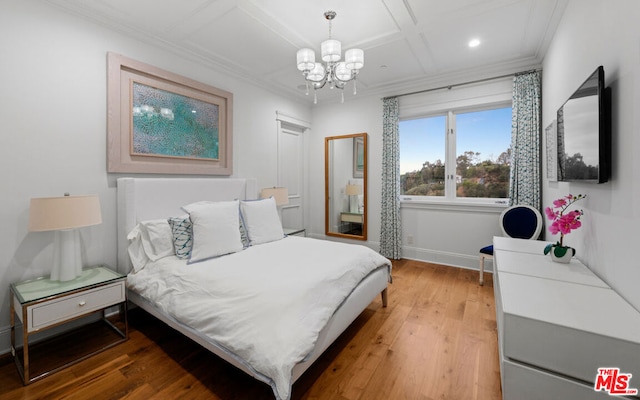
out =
column 163, row 123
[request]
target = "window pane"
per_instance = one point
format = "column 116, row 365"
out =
column 483, row 153
column 422, row 156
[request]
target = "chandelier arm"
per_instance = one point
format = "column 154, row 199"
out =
column 323, row 81
column 339, row 84
column 318, row 85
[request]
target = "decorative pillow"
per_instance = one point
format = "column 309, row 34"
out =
column 215, row 230
column 181, row 230
column 157, row 239
column 243, row 231
column 261, row 221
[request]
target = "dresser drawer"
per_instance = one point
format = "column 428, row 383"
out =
column 62, row 309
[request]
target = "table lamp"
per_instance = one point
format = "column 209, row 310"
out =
column 279, row 194
column 64, row 215
column 353, row 191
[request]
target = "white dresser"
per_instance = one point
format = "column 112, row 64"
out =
column 557, row 324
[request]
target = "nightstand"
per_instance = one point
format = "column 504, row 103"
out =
column 295, row 231
column 351, row 223
column 42, row 304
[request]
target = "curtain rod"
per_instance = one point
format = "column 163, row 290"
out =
column 463, row 84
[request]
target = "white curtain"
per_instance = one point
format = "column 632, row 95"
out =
column 526, row 143
column 390, row 230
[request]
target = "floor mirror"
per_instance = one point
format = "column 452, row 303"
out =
column 345, row 171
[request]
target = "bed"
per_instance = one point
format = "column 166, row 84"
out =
column 165, row 287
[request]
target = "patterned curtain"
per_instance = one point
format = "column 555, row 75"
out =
column 526, row 142
column 390, row 232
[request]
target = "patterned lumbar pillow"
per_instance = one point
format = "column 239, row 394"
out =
column 182, row 231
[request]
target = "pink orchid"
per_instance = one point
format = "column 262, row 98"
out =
column 569, row 222
column 564, row 223
column 559, row 203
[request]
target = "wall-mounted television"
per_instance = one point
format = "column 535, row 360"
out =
column 584, row 133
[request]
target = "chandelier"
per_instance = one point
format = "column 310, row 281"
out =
column 335, row 72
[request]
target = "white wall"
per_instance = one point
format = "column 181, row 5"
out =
column 444, row 235
column 53, row 129
column 593, row 33
column 356, row 115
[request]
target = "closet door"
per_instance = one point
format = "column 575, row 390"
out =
column 291, row 169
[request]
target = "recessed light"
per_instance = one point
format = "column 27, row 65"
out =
column 474, row 43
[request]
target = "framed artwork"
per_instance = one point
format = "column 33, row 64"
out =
column 163, row 123
column 358, row 157
column 552, row 151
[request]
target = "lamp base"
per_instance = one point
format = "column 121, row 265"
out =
column 67, row 261
column 353, row 204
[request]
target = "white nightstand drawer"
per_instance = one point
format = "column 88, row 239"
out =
column 65, row 308
column 357, row 218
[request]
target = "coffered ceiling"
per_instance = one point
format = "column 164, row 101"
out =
column 409, row 44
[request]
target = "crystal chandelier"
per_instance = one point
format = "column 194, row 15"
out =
column 336, row 73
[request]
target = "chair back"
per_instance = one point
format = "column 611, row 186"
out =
column 521, row 222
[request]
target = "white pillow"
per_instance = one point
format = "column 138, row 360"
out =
column 137, row 255
column 261, row 220
column 215, row 229
column 157, row 238
column 243, row 231
column 190, row 207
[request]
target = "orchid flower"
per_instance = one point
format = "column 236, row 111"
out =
column 563, row 223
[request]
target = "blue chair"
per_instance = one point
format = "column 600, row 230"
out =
column 521, row 222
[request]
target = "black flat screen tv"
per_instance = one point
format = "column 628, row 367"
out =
column 584, row 133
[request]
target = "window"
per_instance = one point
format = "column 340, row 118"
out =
column 459, row 154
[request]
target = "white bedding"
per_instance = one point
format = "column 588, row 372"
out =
column 266, row 304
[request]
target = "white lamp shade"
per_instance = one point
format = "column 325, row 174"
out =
column 306, row 59
column 331, row 50
column 280, row 195
column 354, row 59
column 68, row 212
column 317, row 73
column 342, row 72
column 354, row 190
column 63, row 215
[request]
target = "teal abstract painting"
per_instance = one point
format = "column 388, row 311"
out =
column 172, row 125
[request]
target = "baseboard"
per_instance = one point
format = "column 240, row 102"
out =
column 445, row 258
column 426, row 255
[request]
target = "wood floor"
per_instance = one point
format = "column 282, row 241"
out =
column 435, row 340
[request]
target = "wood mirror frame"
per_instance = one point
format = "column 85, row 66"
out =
column 345, row 186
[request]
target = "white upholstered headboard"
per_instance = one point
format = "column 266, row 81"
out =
column 140, row 199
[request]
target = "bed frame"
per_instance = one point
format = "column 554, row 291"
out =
column 141, row 199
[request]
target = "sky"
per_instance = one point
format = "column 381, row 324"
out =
column 487, row 132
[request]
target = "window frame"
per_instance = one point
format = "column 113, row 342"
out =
column 450, row 200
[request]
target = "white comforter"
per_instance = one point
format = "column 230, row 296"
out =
column 266, row 304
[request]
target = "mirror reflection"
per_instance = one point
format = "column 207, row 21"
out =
column 346, row 186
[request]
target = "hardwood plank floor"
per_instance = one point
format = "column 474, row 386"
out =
column 436, row 340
